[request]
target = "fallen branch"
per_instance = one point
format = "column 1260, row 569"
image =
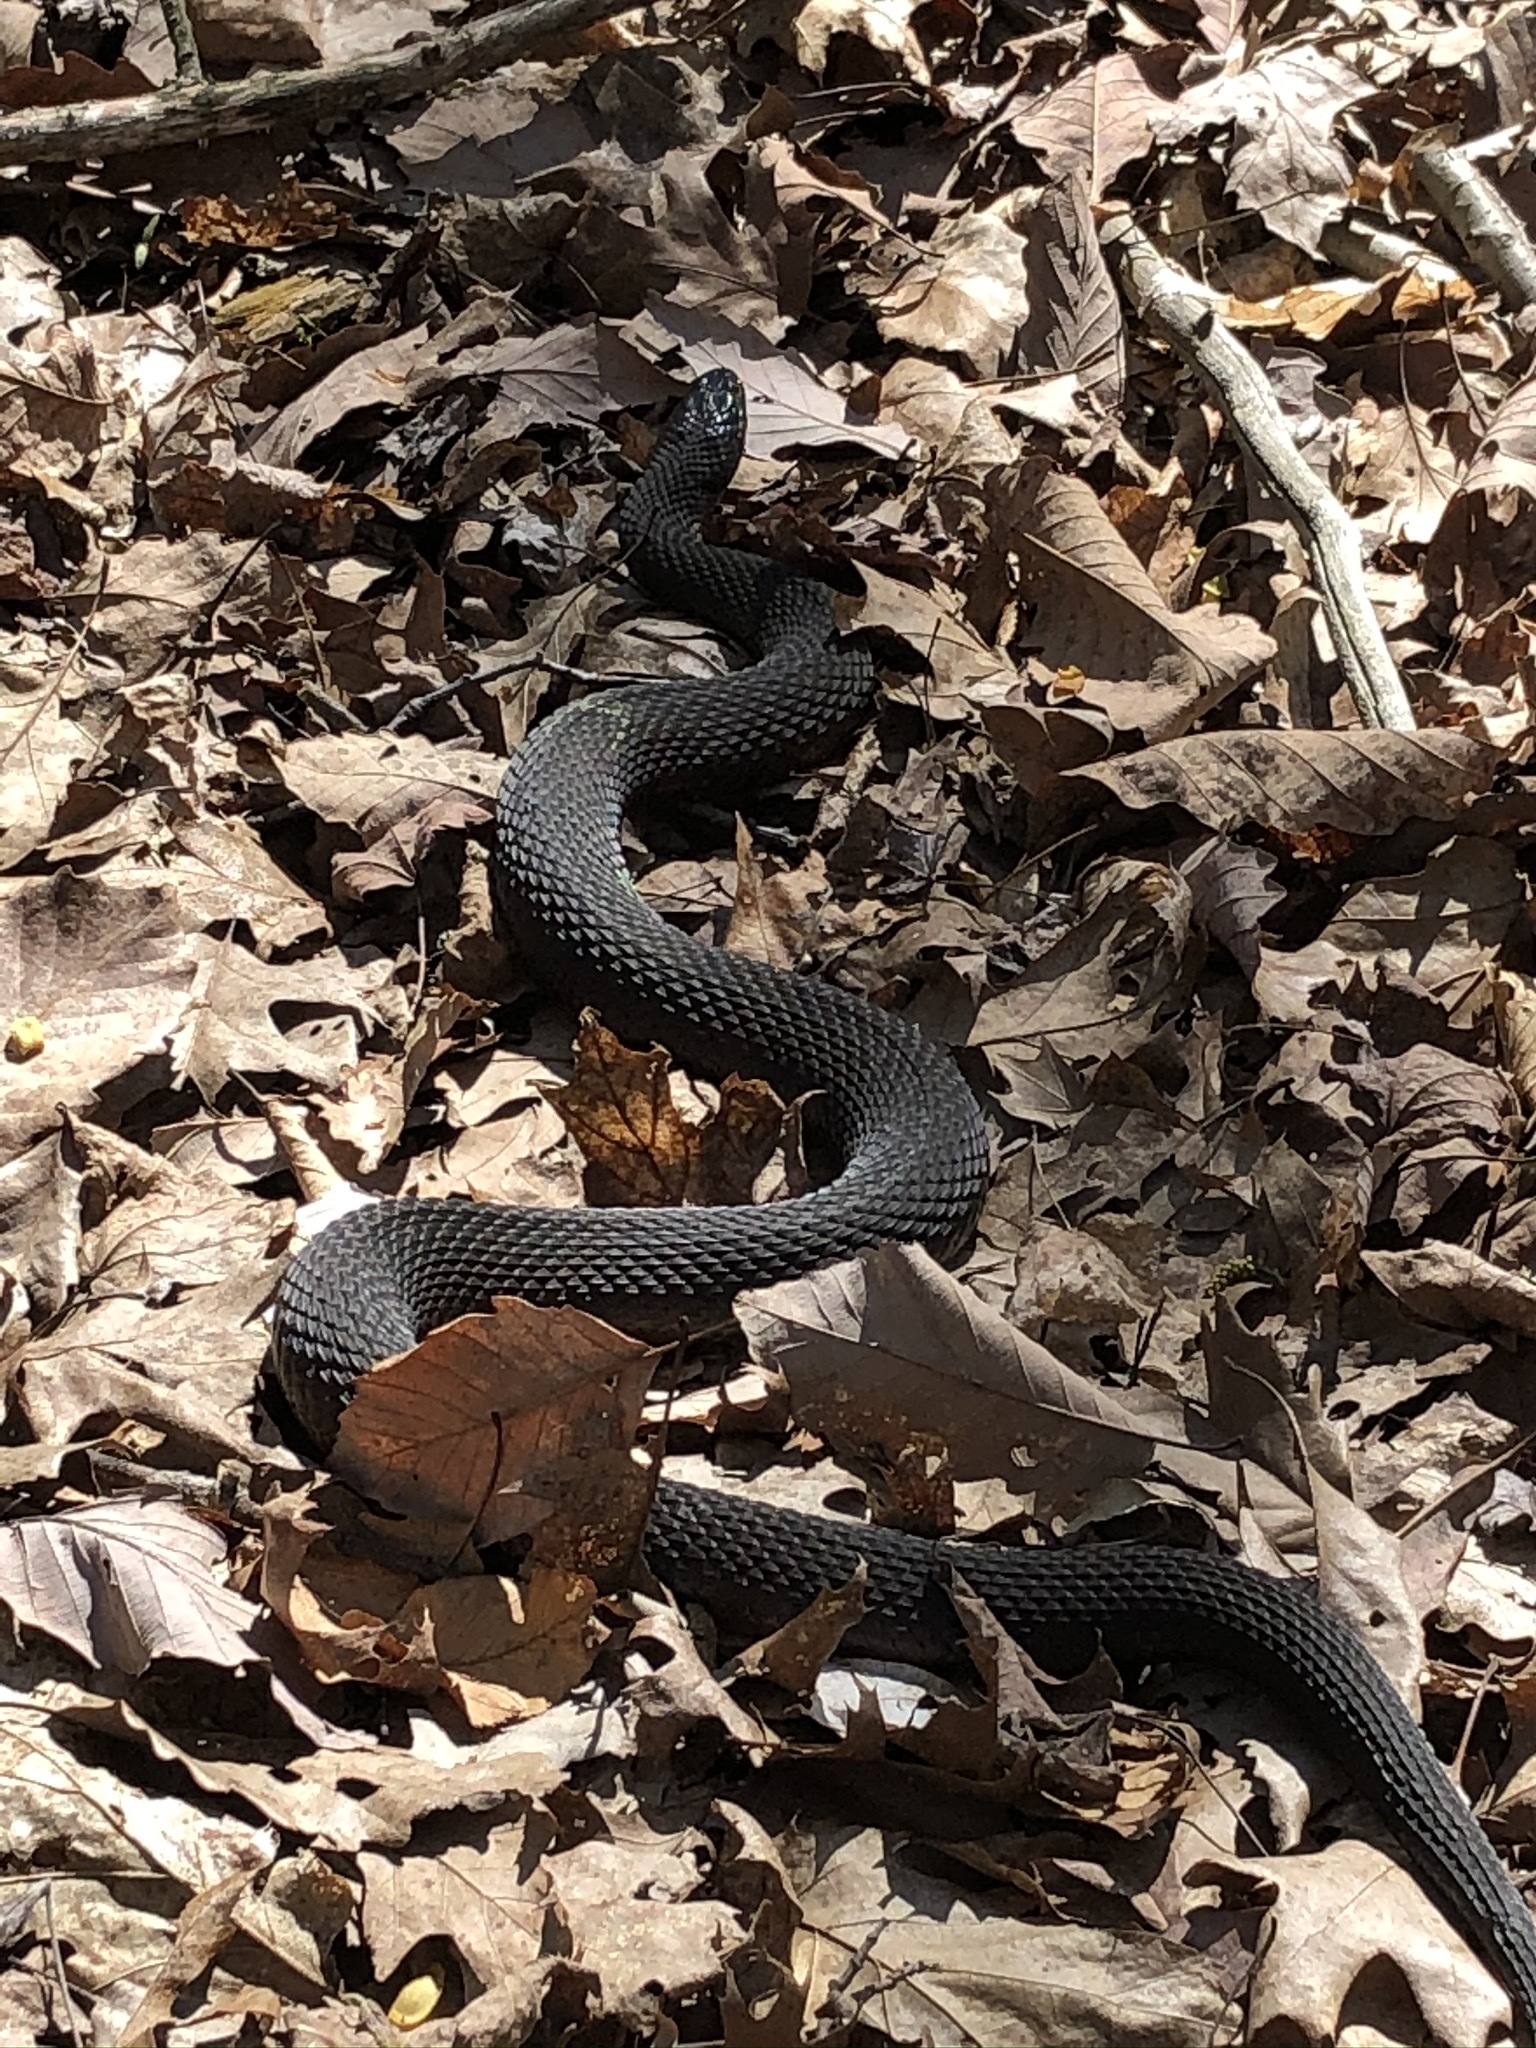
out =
column 1363, row 245
column 1492, row 236
column 186, row 114
column 1182, row 313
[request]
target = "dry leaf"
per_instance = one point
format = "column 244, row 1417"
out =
column 888, row 1350
column 511, row 1424
column 124, row 1582
column 620, row 1105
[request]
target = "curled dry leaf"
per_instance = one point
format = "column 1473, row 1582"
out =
column 112, row 1824
column 1514, row 1005
column 793, row 1656
column 204, row 1927
column 506, row 1657
column 933, row 624
column 1360, row 1575
column 769, row 914
column 1404, row 465
column 1503, row 466
column 39, row 749
column 1058, row 1277
column 886, row 25
column 501, row 1650
column 1444, row 1121
column 1098, row 119
column 641, row 1150
column 231, row 1024
column 675, row 1696
column 1497, row 1601
column 967, row 292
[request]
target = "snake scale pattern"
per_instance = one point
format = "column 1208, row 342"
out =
column 915, row 1164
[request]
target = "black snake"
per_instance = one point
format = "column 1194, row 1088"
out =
column 915, row 1160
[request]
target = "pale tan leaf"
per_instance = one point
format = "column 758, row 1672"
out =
column 230, row 1025
column 39, row 751
column 1287, row 164
column 926, row 1961
column 885, row 25
column 398, row 794
column 969, row 291
column 933, row 624
column 101, row 963
column 1103, row 626
column 1098, row 119
column 1337, row 1913
column 1503, row 468
column 481, row 1895
column 1364, row 782
column 124, row 1582
column 1454, row 1285
column 629, row 1904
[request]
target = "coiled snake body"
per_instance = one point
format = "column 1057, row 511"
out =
column 915, row 1165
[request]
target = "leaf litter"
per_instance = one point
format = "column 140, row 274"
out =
column 311, row 442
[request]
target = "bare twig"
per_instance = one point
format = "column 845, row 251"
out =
column 1458, row 1762
column 1182, row 312
column 184, row 115
column 416, row 707
column 61, row 1975
column 189, row 65
column 1491, row 235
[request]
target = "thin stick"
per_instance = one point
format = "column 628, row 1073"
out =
column 1182, row 313
column 185, row 115
column 189, row 65
column 58, row 1969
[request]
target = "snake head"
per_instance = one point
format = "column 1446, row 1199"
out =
column 711, row 423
